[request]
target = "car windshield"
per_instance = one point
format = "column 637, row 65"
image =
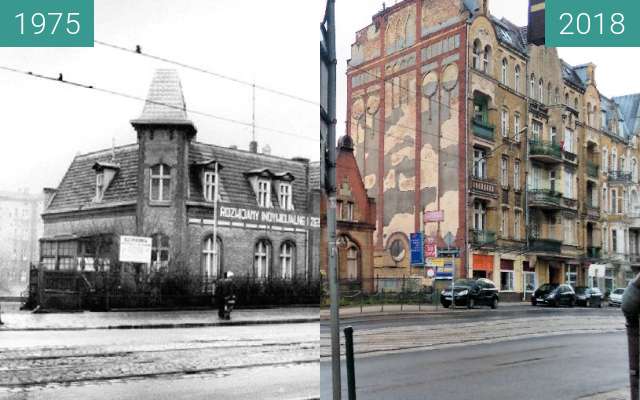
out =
column 618, row 291
column 547, row 287
column 581, row 290
column 465, row 282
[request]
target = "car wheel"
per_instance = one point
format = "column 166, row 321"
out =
column 446, row 305
column 494, row 303
column 600, row 304
column 553, row 303
column 572, row 303
column 471, row 303
column 533, row 302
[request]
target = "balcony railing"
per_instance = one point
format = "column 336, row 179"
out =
column 594, row 252
column 570, row 157
column 634, row 259
column 544, row 197
column 545, row 245
column 483, row 129
column 619, row 176
column 484, row 186
column 546, row 149
column 483, row 237
column 592, row 169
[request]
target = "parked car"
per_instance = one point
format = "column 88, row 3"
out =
column 615, row 298
column 554, row 295
column 588, row 297
column 471, row 292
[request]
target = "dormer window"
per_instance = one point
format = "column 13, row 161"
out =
column 264, row 193
column 285, row 197
column 160, row 182
column 210, row 182
column 99, row 186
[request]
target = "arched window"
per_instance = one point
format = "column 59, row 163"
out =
column 634, row 170
column 557, row 96
column 160, row 182
column 212, row 258
column 605, row 199
column 159, row 252
column 623, row 165
column 575, row 104
column 516, row 80
column 505, row 71
column 287, row 254
column 262, row 259
column 541, row 90
column 352, row 262
column 549, row 94
column 589, row 114
column 532, row 86
column 566, row 99
column 486, row 59
column 476, row 54
column 614, row 160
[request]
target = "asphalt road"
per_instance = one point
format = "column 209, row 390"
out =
column 517, row 352
column 238, row 362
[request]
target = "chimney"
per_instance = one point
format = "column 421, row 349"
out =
column 266, row 150
column 233, row 147
column 535, row 28
column 253, row 146
column 591, row 74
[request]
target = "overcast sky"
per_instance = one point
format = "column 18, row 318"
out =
column 274, row 43
column 615, row 72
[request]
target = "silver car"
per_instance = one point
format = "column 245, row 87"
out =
column 615, row 298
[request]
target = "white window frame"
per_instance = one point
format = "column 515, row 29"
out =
column 99, row 185
column 505, row 71
column 517, row 78
column 285, row 196
column 510, row 287
column 286, row 259
column 264, row 193
column 504, row 223
column 504, row 122
column 504, row 172
column 212, row 259
column 479, row 163
column 352, row 262
column 516, row 127
column 516, row 225
column 516, row 175
column 262, row 259
column 164, row 182
column 210, row 181
column 479, row 216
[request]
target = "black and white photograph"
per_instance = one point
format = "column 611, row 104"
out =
column 160, row 206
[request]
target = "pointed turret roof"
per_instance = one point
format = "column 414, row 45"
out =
column 165, row 103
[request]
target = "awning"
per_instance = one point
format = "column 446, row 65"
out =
column 482, row 262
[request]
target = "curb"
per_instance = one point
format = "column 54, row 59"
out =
column 439, row 311
column 170, row 326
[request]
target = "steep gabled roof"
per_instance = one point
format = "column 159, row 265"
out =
column 570, row 75
column 630, row 108
column 510, row 35
column 314, row 175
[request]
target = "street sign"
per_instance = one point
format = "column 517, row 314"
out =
column 433, row 216
column 449, row 239
column 450, row 252
column 431, row 273
column 135, row 249
column 417, row 249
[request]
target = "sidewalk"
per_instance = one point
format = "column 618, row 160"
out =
column 622, row 394
column 395, row 309
column 16, row 320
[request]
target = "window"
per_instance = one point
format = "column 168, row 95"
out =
column 605, row 160
column 159, row 252
column 552, row 180
column 517, row 79
column 339, row 209
column 517, row 217
column 516, row 127
column 479, row 163
column 622, row 165
column 481, row 108
column 614, row 202
column 352, row 263
column 532, row 86
column 609, row 278
column 614, row 240
column 557, row 96
column 614, row 160
column 476, row 54
column 605, row 200
column 99, row 186
column 262, row 257
column 568, row 141
column 504, row 172
column 486, row 60
column 286, row 260
column 160, row 182
column 504, row 123
column 634, row 170
column 504, row 223
column 479, row 215
column 536, row 131
column 603, row 121
column 264, row 193
column 541, row 90
column 285, row 197
column 571, row 275
column 549, row 94
column 506, row 281
column 569, row 178
column 566, row 99
column 516, row 175
column 350, row 211
column 530, row 281
column 505, row 70
column 569, row 225
column 553, row 135
column 210, row 183
column 212, row 258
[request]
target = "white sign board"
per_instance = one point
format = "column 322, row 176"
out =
column 597, row 270
column 135, row 249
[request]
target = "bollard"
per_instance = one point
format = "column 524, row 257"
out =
column 631, row 309
column 351, row 374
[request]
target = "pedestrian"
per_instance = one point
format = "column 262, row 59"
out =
column 225, row 296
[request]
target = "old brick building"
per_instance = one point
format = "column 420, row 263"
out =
column 164, row 186
column 355, row 218
column 535, row 170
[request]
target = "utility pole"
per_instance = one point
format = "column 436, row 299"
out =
column 328, row 175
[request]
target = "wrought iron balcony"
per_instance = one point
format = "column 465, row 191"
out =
column 483, row 237
column 484, row 187
column 570, row 157
column 594, row 252
column 592, row 169
column 483, row 129
column 619, row 176
column 545, row 245
column 544, row 198
column 545, row 151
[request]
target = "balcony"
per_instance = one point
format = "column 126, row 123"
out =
column 483, row 129
column 594, row 252
column 484, row 187
column 592, row 210
column 634, row 259
column 592, row 169
column 545, row 151
column 619, row 177
column 545, row 245
column 569, row 157
column 483, row 237
column 569, row 203
column 544, row 198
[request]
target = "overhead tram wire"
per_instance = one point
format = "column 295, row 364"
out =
column 138, row 51
column 60, row 79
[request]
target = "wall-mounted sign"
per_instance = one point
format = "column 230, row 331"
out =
column 417, row 249
column 268, row 217
column 433, row 216
column 430, row 248
column 135, row 249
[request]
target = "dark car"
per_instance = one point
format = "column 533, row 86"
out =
column 554, row 295
column 588, row 297
column 471, row 292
